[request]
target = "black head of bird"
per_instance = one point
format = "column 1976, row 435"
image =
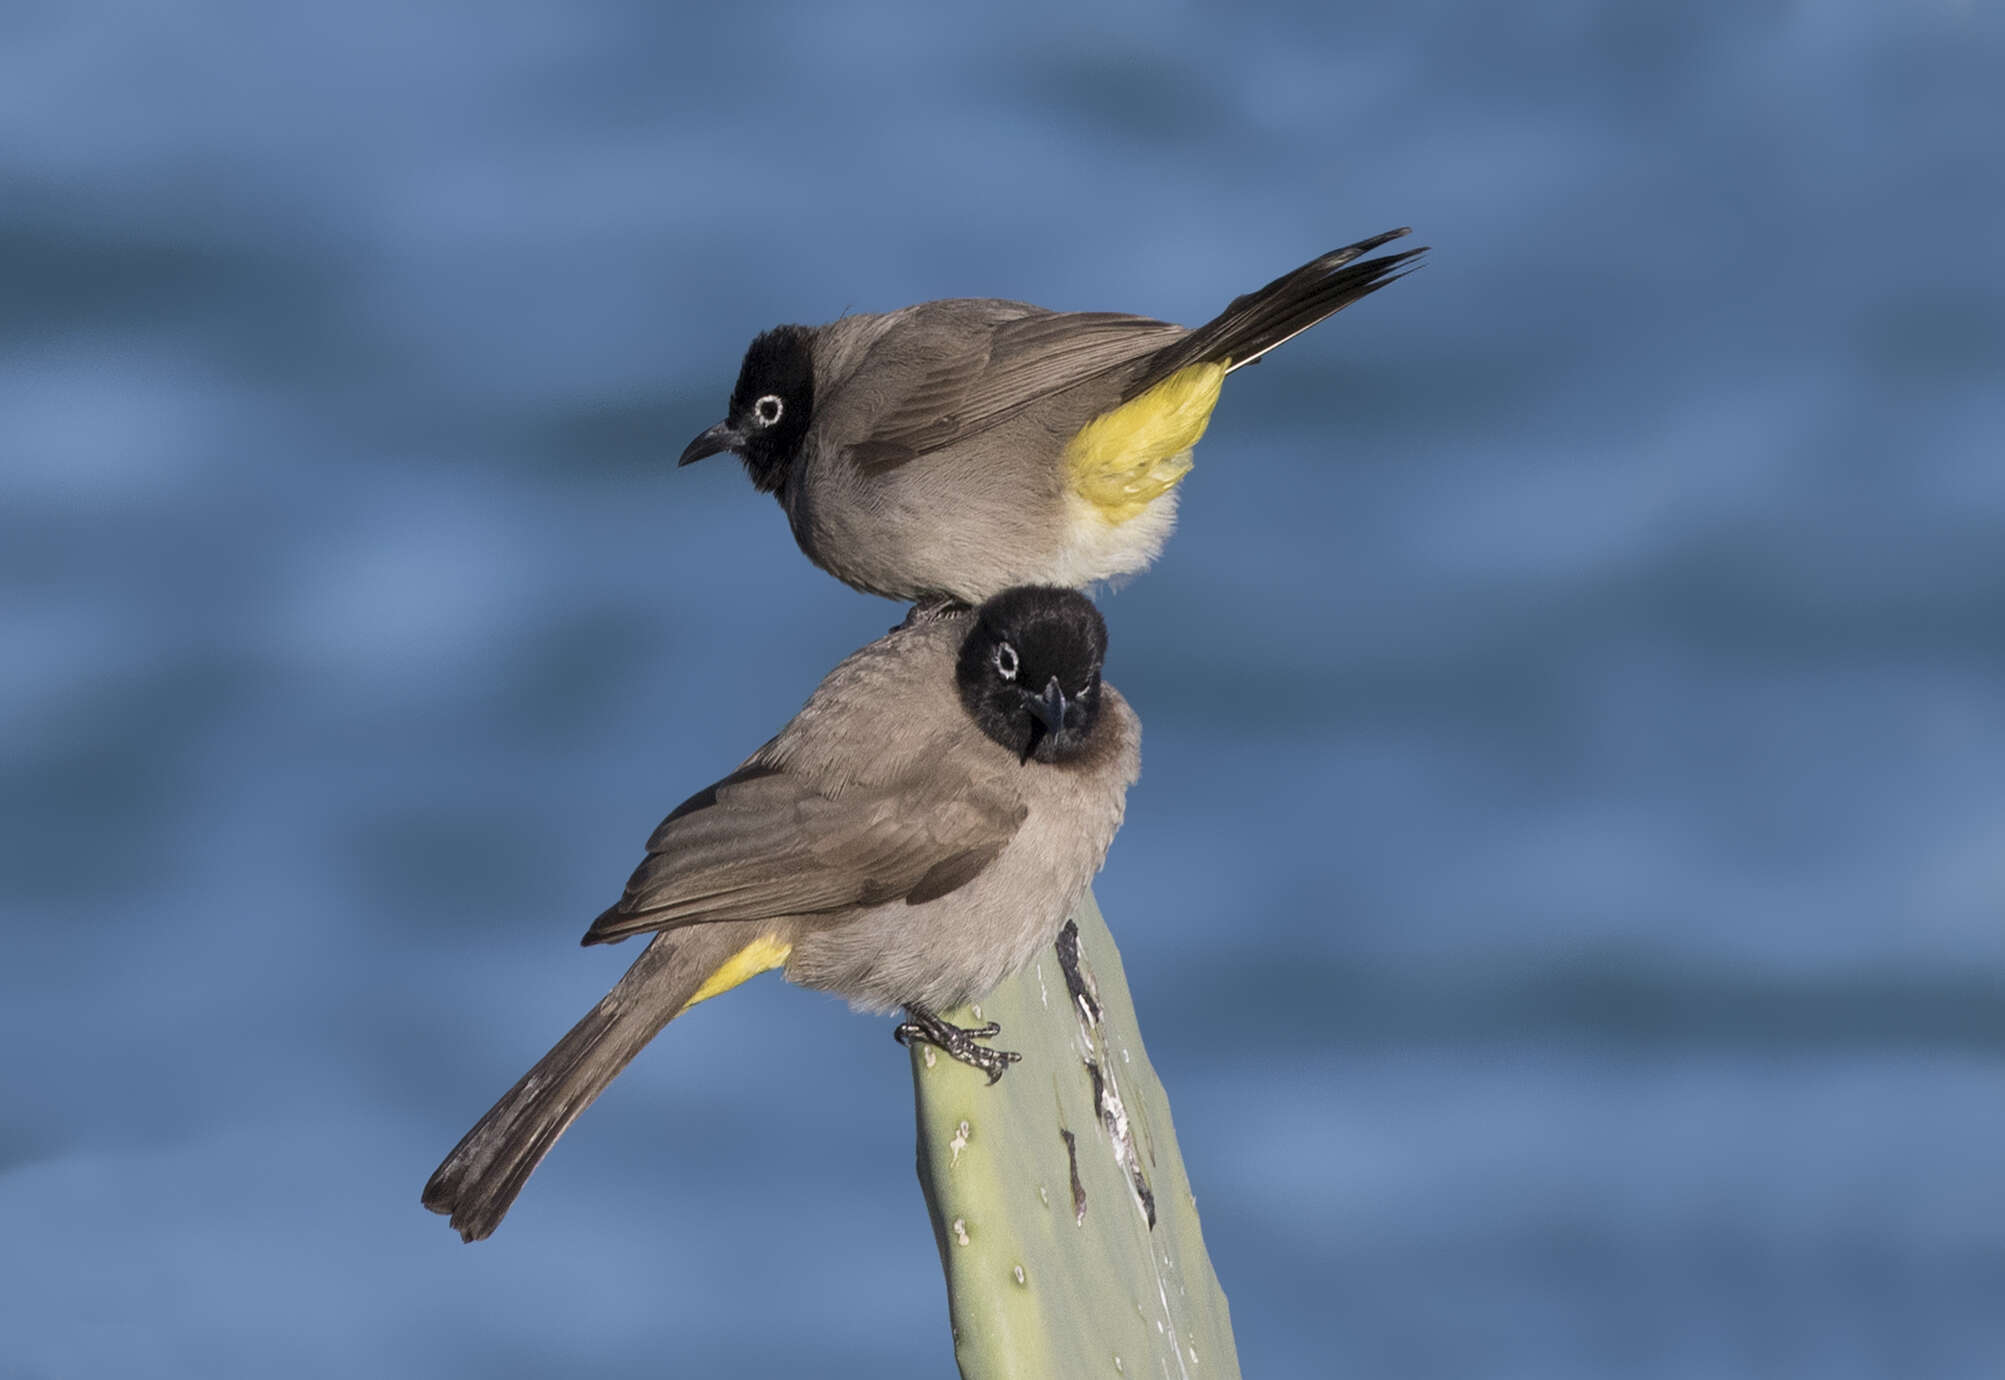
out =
column 1029, row 671
column 770, row 408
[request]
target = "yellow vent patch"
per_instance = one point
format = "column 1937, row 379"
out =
column 761, row 955
column 1124, row 460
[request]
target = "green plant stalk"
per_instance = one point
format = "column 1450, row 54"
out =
column 1065, row 1222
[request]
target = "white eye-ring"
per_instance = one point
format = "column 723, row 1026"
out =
column 768, row 409
column 1006, row 660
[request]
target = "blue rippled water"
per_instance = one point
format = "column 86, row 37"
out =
column 1566, row 896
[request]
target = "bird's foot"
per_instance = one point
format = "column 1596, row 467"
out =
column 931, row 609
column 957, row 1041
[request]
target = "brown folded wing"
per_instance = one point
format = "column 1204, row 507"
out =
column 765, row 843
column 956, row 368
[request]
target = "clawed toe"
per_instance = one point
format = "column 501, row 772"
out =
column 957, row 1041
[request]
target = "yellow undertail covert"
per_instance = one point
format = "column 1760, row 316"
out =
column 761, row 955
column 1124, row 460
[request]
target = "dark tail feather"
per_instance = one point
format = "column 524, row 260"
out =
column 1277, row 313
column 479, row 1180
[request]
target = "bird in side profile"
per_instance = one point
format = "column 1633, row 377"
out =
column 955, row 448
column 917, row 833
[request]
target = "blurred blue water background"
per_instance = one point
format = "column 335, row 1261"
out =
column 1564, row 896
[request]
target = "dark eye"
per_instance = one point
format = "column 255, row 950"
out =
column 1006, row 661
column 768, row 409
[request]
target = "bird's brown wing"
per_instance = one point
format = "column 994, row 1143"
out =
column 767, row 842
column 952, row 369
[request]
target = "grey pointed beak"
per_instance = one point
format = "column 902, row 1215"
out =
column 721, row 437
column 1050, row 707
